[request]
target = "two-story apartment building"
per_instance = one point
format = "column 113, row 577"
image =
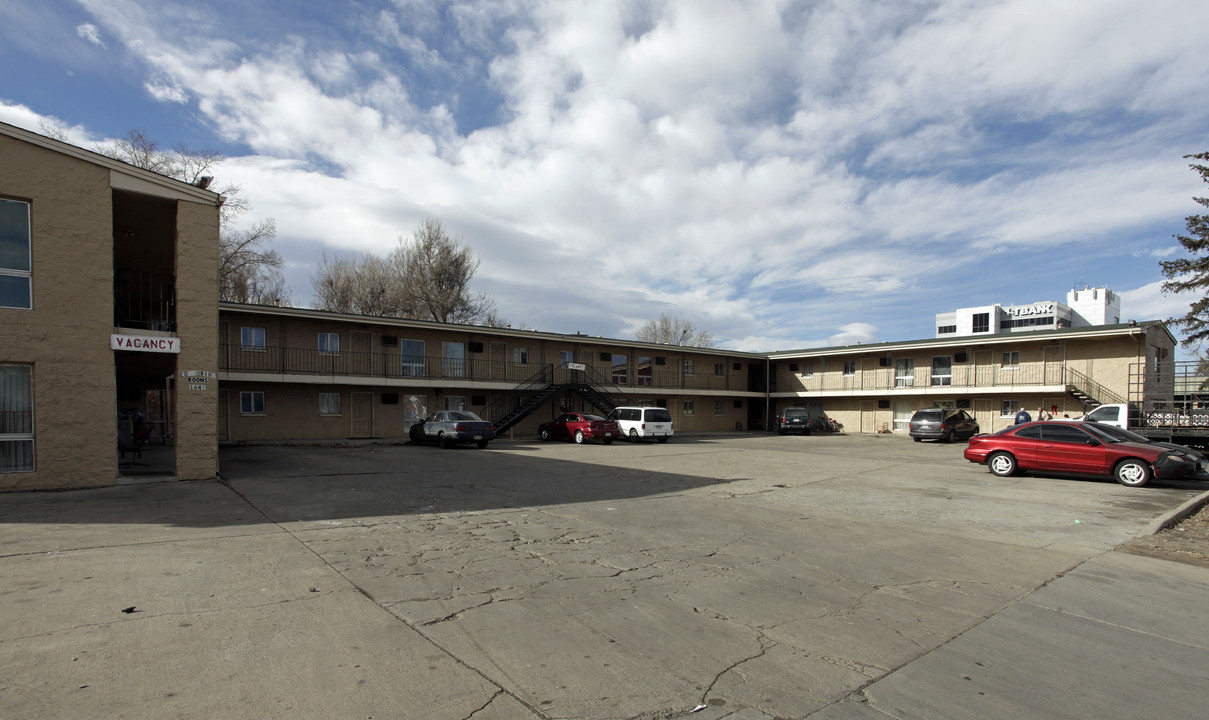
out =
column 108, row 293
column 291, row 373
column 877, row 387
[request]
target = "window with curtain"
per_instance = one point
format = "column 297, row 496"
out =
column 16, row 419
column 15, row 266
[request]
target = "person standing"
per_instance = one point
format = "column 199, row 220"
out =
column 1022, row 416
column 1042, row 414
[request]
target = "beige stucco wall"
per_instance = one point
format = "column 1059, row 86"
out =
column 66, row 334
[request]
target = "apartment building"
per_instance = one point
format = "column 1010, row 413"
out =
column 877, row 387
column 108, row 300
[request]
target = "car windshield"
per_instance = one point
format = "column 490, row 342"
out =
column 461, row 415
column 593, row 417
column 1121, row 434
column 796, row 412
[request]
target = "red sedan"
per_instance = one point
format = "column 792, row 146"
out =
column 1063, row 447
column 579, row 427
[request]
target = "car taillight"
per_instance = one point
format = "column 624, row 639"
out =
column 459, row 428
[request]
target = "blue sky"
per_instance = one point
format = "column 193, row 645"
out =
column 784, row 174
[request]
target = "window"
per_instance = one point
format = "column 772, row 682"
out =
column 942, row 370
column 329, row 403
column 454, row 354
column 329, row 343
column 849, row 368
column 566, row 356
column 16, row 419
column 719, row 407
column 645, row 371
column 1010, row 408
column 1011, row 360
column 982, row 322
column 808, row 369
column 689, row 367
column 946, row 329
column 412, row 352
column 689, row 407
column 719, row 369
column 621, row 372
column 520, row 356
column 251, row 402
column 904, row 372
column 455, row 402
column 15, row 266
column 252, row 338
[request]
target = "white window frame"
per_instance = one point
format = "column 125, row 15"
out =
column 904, row 372
column 1009, row 408
column 413, row 365
column 808, row 369
column 719, row 369
column 566, row 356
column 849, row 368
column 248, row 337
column 940, row 380
column 719, row 407
column 26, row 273
column 329, row 403
column 520, row 355
column 252, row 396
column 329, row 343
column 1007, row 361
column 17, row 404
column 690, row 407
column 690, row 367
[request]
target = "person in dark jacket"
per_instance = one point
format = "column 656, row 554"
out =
column 1022, row 416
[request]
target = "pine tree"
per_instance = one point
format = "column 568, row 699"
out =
column 1191, row 274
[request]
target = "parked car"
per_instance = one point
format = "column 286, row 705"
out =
column 450, row 427
column 946, row 424
column 1063, row 447
column 640, row 423
column 1118, row 434
column 793, row 419
column 580, row 427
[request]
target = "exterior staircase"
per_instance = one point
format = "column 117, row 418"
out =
column 547, row 382
column 1089, row 392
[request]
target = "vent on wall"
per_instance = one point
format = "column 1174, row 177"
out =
column 660, row 360
column 963, row 402
column 793, row 367
column 389, row 341
column 883, row 362
column 478, row 399
column 605, row 357
column 476, row 347
column 390, row 398
column 883, row 404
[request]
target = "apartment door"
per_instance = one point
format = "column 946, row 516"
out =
column 499, row 361
column 363, row 358
column 363, row 415
column 869, row 416
column 984, row 413
column 983, row 369
column 1053, row 365
column 224, row 425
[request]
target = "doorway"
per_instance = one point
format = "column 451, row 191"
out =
column 145, row 405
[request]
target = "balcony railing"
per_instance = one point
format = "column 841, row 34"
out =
column 961, row 376
column 310, row 361
column 146, row 301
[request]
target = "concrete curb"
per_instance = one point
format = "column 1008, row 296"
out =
column 1173, row 517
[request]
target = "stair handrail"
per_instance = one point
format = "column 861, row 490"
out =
column 1092, row 389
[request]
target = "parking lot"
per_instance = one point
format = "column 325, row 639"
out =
column 749, row 576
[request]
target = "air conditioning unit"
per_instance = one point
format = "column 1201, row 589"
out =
column 960, row 357
column 389, row 341
column 476, row 347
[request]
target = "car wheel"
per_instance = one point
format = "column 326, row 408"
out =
column 414, row 433
column 608, row 441
column 917, row 439
column 545, row 434
column 949, row 437
column 633, row 436
column 1002, row 464
column 780, row 431
column 481, row 444
column 662, row 440
column 579, row 437
column 806, row 432
column 1133, row 473
column 443, row 441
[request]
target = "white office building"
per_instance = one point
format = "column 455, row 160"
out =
column 1083, row 308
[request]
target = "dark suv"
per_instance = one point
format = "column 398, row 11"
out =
column 793, row 419
column 946, row 424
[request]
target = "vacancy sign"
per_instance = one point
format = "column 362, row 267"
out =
column 145, row 343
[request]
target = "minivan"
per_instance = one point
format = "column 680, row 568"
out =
column 640, row 423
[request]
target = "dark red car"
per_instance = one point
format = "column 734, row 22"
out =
column 1063, row 447
column 580, row 427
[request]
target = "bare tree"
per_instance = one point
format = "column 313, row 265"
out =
column 248, row 270
column 674, row 331
column 424, row 278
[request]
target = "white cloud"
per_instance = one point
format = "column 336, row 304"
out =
column 712, row 158
column 89, row 32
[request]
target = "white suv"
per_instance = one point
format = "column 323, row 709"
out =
column 639, row 423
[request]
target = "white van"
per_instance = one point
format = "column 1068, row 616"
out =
column 640, row 423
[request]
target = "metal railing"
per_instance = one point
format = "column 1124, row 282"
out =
column 146, row 301
column 959, row 376
column 385, row 364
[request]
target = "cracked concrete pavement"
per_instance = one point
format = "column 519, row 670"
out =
column 743, row 577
